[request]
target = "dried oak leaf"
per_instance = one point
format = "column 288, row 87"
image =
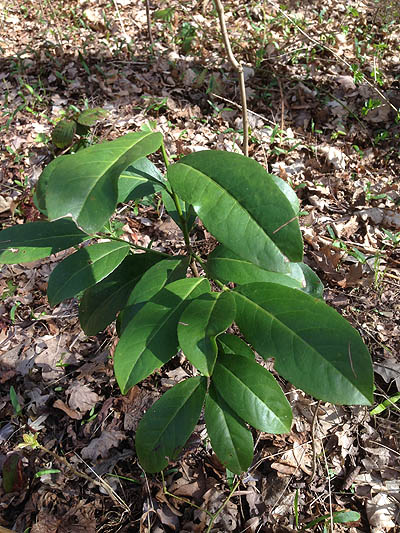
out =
column 81, row 397
column 101, row 446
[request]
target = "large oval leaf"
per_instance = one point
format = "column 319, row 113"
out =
column 39, row 196
column 100, row 303
column 314, row 347
column 252, row 392
column 167, row 425
column 84, row 268
column 241, row 205
column 150, row 339
column 229, row 436
column 84, row 186
column 203, row 319
column 28, row 242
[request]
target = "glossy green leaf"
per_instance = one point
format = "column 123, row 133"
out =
column 152, row 281
column 167, row 425
column 41, row 186
column 314, row 347
column 150, row 339
column 200, row 323
column 288, row 192
column 84, row 186
column 252, row 392
column 100, row 303
column 140, row 179
column 241, row 205
column 231, row 344
column 84, row 268
column 226, row 266
column 231, row 440
column 24, row 243
column 313, row 285
column 91, row 116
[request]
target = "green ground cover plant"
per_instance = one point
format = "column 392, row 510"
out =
column 166, row 303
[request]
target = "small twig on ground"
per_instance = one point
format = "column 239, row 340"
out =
column 148, row 17
column 314, row 447
column 239, row 69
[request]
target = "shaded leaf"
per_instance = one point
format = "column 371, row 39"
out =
column 150, row 339
column 41, row 186
column 314, row 347
column 84, row 186
column 91, row 116
column 100, row 303
column 140, row 179
column 84, row 268
column 252, row 392
column 63, row 133
column 28, row 242
column 229, row 436
column 152, row 281
column 167, row 425
column 231, row 344
column 222, row 186
column 202, row 320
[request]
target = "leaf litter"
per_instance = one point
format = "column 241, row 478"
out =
column 316, row 123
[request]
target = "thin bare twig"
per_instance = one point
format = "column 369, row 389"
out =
column 314, row 447
column 149, row 23
column 239, row 69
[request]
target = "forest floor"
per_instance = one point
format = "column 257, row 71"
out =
column 323, row 86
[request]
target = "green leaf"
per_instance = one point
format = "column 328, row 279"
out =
column 101, row 303
column 343, row 517
column 231, row 344
column 226, row 266
column 252, row 392
column 167, row 425
column 150, row 339
column 63, row 133
column 152, row 281
column 139, row 180
column 84, row 186
column 288, row 192
column 313, row 285
column 84, row 268
column 44, row 178
column 28, row 242
column 241, row 205
column 91, row 116
column 314, row 347
column 200, row 323
column 229, row 436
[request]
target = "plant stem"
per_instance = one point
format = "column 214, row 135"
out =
column 148, row 17
column 239, row 69
column 136, row 246
column 182, row 218
column 215, row 515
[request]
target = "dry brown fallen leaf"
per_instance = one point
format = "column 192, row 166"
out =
column 100, row 447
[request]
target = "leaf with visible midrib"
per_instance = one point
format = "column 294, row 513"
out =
column 84, row 186
column 100, row 303
column 241, row 205
column 252, row 392
column 167, row 425
column 28, row 242
column 203, row 319
column 230, row 439
column 314, row 347
column 150, row 339
column 84, row 268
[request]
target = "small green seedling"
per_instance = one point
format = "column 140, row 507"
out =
column 78, row 124
column 255, row 278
